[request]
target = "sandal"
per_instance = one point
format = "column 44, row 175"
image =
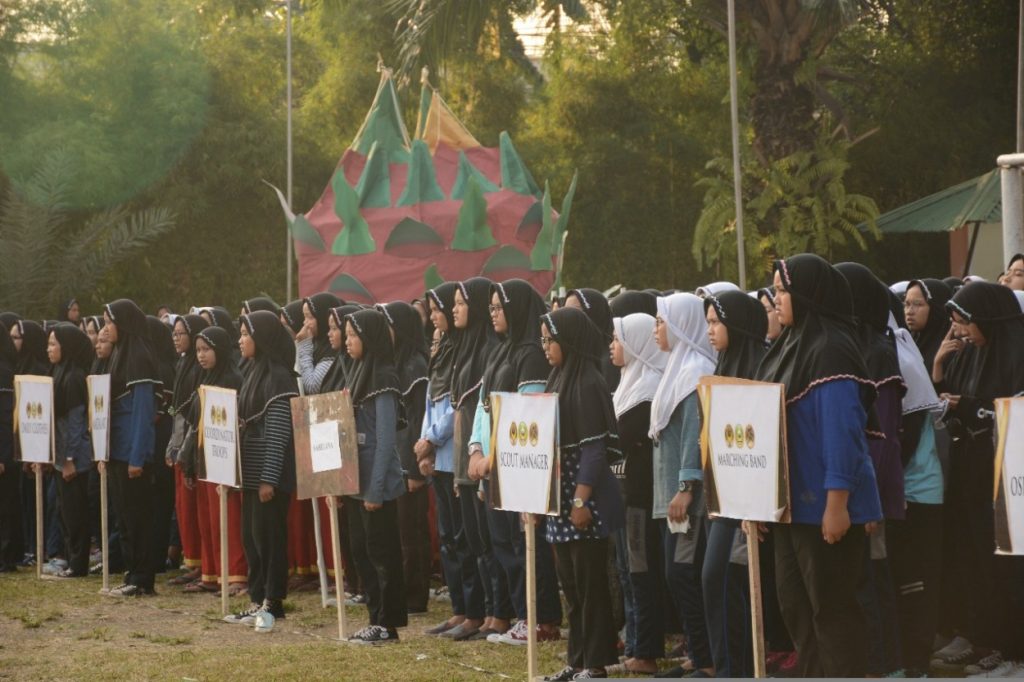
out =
column 238, row 589
column 185, row 578
column 199, row 586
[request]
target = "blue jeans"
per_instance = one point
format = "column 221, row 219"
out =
column 478, row 538
column 684, row 558
column 647, row 584
column 628, row 599
column 462, row 588
column 727, row 600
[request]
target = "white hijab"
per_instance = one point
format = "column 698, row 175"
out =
column 715, row 288
column 690, row 356
column 644, row 361
column 1020, row 298
column 920, row 393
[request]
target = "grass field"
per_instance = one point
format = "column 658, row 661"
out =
column 65, row 629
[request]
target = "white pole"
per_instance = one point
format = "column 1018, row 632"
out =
column 734, row 111
column 1013, row 203
column 288, row 59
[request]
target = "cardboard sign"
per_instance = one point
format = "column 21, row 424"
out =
column 743, row 449
column 314, row 417
column 217, row 436
column 99, row 415
column 524, row 452
column 1009, row 480
column 33, row 417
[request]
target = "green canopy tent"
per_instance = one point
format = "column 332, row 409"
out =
column 969, row 205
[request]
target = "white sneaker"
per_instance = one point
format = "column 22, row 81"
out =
column 517, row 634
column 986, row 664
column 247, row 617
column 960, row 650
column 1004, row 670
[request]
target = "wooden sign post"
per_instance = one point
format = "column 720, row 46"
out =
column 525, row 478
column 99, row 427
column 217, row 436
column 33, row 424
column 746, row 474
column 327, row 465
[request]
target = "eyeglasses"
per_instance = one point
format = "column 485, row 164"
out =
column 910, row 305
column 494, row 308
column 179, row 335
column 547, row 341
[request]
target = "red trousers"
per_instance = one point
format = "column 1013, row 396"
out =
column 301, row 542
column 209, row 528
column 188, row 521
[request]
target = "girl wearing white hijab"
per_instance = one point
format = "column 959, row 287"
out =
column 681, row 331
column 635, row 350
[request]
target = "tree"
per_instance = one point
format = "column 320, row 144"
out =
column 45, row 258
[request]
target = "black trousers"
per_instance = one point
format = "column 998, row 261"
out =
column 583, row 571
column 497, row 602
column 466, row 590
column 914, row 546
column 74, row 511
column 133, row 500
column 414, row 527
column 377, row 550
column 265, row 542
column 817, row 585
column 12, row 545
column 163, row 511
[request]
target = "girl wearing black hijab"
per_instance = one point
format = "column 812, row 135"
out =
column 924, row 309
column 737, row 327
column 833, row 491
column 312, row 345
column 135, row 382
column 373, row 513
column 268, row 461
column 517, row 365
column 435, row 452
column 406, row 327
column 595, row 305
column 992, row 325
column 589, row 441
column 214, row 351
column 259, row 303
column 291, row 316
column 71, row 354
column 11, row 547
column 30, row 341
column 632, row 302
column 474, row 347
column 767, row 298
column 186, row 505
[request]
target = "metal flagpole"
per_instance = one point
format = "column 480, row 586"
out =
column 737, row 179
column 288, row 189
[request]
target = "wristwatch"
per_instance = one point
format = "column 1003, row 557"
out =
column 578, row 503
column 688, row 486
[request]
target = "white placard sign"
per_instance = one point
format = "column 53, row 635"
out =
column 218, row 434
column 1009, row 480
column 325, row 446
column 99, row 415
column 33, row 418
column 524, row 452
column 743, row 439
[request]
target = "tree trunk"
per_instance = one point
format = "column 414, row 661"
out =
column 781, row 112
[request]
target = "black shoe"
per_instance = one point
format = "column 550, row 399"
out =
column 126, row 590
column 375, row 634
column 438, row 629
column 246, row 617
column 274, row 607
column 564, row 675
column 672, row 673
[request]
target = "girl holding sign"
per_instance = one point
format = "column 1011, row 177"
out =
column 268, row 461
column 819, row 557
column 589, row 441
column 134, row 383
column 373, row 514
column 71, row 354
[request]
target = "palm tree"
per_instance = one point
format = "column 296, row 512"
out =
column 44, row 257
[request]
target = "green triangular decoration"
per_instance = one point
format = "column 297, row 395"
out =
column 563, row 217
column 420, row 185
column 347, row 285
column 354, row 238
column 466, row 171
column 514, row 174
column 472, row 233
column 506, row 258
column 303, row 232
column 412, row 233
column 432, row 279
column 383, row 125
column 540, row 256
column 374, row 186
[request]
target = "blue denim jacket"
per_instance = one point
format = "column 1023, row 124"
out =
column 72, row 440
column 380, row 471
column 438, row 427
column 133, row 425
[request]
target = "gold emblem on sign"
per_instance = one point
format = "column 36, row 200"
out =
column 738, row 435
column 513, row 433
column 750, row 436
column 534, row 434
column 524, row 433
column 728, row 435
column 97, row 403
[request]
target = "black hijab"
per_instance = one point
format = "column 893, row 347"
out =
column 519, row 358
column 76, row 354
column 821, row 345
column 187, row 371
column 871, row 308
column 744, row 317
column 271, row 372
column 64, row 309
column 631, row 302
column 32, row 359
column 292, row 314
column 225, row 373
column 320, row 305
column 997, row 368
column 260, row 303
column 954, row 283
column 375, row 372
column 585, row 409
column 337, row 376
column 597, row 308
column 8, row 320
column 937, row 293
column 8, row 360
column 475, row 343
column 442, row 363
column 133, row 360
column 410, row 350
